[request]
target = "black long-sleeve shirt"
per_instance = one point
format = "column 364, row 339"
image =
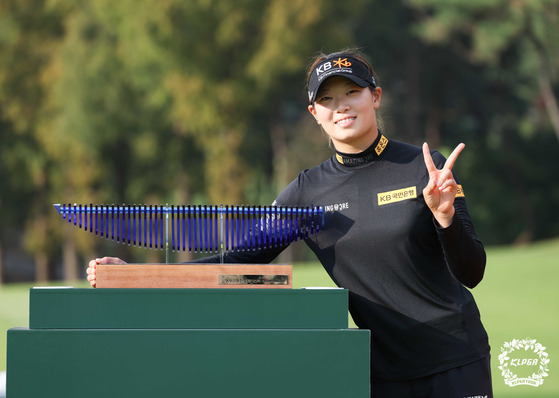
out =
column 405, row 275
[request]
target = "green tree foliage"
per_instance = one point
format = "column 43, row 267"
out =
column 514, row 47
column 144, row 104
column 204, row 102
column 29, row 34
column 486, row 31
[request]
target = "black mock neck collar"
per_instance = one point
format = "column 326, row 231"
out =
column 367, row 156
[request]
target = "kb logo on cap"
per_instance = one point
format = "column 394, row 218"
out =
column 340, row 63
column 349, row 67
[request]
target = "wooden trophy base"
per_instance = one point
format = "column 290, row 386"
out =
column 212, row 276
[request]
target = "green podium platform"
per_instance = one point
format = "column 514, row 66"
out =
column 187, row 343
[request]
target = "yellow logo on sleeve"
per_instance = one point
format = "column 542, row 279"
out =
column 460, row 193
column 396, row 196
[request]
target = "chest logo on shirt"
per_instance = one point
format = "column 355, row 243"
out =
column 398, row 195
column 337, row 207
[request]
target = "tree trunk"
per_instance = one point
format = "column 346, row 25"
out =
column 1, row 266
column 41, row 267
column 544, row 79
column 69, row 255
column 40, row 253
column 549, row 100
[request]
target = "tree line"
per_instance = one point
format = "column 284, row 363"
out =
column 204, row 101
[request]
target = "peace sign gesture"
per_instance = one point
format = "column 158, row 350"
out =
column 441, row 190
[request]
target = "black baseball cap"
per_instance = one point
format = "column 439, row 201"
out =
column 337, row 65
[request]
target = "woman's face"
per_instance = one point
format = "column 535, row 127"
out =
column 347, row 113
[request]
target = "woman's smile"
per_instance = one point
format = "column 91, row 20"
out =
column 346, row 121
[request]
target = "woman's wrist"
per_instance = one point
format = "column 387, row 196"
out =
column 444, row 220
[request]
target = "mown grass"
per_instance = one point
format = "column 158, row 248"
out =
column 518, row 298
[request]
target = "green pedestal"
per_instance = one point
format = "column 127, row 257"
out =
column 209, row 343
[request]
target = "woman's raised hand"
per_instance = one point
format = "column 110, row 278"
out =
column 441, row 190
column 92, row 267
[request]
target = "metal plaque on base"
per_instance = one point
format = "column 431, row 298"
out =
column 213, row 276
